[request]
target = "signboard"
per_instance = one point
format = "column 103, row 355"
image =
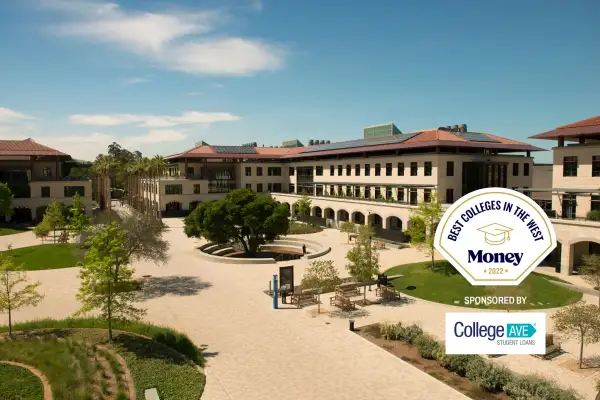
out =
column 286, row 276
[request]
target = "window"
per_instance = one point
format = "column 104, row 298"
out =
column 357, row 170
column 258, row 171
column 173, row 189
column 47, row 171
column 428, row 168
column 196, row 189
column 377, row 192
column 515, row 169
column 292, row 189
column 249, row 186
column 357, row 191
column 450, row 168
column 348, row 169
column 401, row 195
column 388, row 169
column 269, row 187
column 339, row 190
column 367, row 169
column 427, row 195
column 377, row 169
column 388, row 192
column 71, row 190
column 400, row 169
column 526, row 169
column 319, row 170
column 348, row 191
column 367, row 192
column 412, row 196
column 546, row 205
column 274, row 171
column 45, row 191
column 331, row 170
column 339, row 170
column 414, row 169
column 221, row 181
column 277, row 188
column 449, row 196
column 595, row 165
column 525, row 192
column 248, row 171
column 319, row 190
column 259, row 187
column 292, row 170
column 570, row 166
column 331, row 190
column 595, row 203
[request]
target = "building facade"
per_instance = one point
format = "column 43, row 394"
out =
column 36, row 176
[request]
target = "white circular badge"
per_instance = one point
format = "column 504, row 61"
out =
column 495, row 236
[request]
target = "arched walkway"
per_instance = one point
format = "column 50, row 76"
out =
column 342, row 215
column 394, row 223
column 317, row 212
column 21, row 215
column 581, row 249
column 375, row 221
column 358, row 218
column 329, row 213
column 173, row 209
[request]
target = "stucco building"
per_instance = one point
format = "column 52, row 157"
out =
column 377, row 179
column 574, row 190
column 36, row 175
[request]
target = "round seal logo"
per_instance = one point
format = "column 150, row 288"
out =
column 495, row 236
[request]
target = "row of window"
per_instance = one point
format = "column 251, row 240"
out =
column 400, row 167
column 271, row 187
column 271, row 171
column 570, row 166
column 178, row 189
column 69, row 191
column 516, row 169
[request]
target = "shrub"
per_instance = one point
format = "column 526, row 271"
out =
column 474, row 368
column 390, row 331
column 593, row 215
column 457, row 362
column 489, row 376
column 440, row 353
column 427, row 346
column 531, row 387
column 179, row 342
column 410, row 333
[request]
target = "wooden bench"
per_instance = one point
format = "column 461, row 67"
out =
column 303, row 299
column 551, row 348
column 387, row 293
column 379, row 244
column 342, row 302
column 347, row 289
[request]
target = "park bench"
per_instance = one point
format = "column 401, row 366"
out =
column 379, row 244
column 347, row 289
column 342, row 302
column 303, row 299
column 387, row 293
column 552, row 349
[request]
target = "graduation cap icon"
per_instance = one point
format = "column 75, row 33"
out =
column 496, row 234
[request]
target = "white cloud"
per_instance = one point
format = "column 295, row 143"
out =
column 175, row 40
column 219, row 85
column 8, row 116
column 136, row 80
column 155, row 136
column 153, row 121
column 193, row 93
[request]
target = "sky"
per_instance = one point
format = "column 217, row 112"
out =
column 158, row 76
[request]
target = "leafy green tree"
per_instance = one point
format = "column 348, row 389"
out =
column 15, row 290
column 366, row 231
column 348, row 227
column 78, row 220
column 590, row 271
column 98, row 274
column 319, row 275
column 6, row 200
column 424, row 221
column 303, row 206
column 41, row 231
column 54, row 218
column 243, row 217
column 581, row 321
column 363, row 261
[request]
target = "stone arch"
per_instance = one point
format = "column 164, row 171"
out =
column 375, row 220
column 394, row 223
column 579, row 247
column 21, row 215
column 329, row 213
column 358, row 217
column 343, row 215
column 173, row 206
column 317, row 212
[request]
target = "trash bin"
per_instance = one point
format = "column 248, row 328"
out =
column 351, row 325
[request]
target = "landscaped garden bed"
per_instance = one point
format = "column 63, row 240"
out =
column 444, row 284
column 301, row 228
column 11, row 230
column 80, row 363
column 19, row 383
column 47, row 256
column 471, row 375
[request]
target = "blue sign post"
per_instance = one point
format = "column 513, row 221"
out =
column 275, row 303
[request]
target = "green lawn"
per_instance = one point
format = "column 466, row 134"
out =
column 11, row 231
column 47, row 256
column 298, row 228
column 445, row 285
column 19, row 383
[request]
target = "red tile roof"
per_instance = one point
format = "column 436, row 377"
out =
column 27, row 147
column 586, row 127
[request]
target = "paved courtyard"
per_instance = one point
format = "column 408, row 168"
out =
column 255, row 352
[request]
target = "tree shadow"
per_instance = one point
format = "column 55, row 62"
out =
column 402, row 301
column 444, row 268
column 359, row 313
column 145, row 348
column 207, row 354
column 155, row 287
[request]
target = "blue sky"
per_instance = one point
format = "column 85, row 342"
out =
column 160, row 75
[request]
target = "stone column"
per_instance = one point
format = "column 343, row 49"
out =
column 566, row 259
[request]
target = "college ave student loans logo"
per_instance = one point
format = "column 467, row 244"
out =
column 495, row 236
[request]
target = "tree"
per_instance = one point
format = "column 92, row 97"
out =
column 363, row 261
column 243, row 217
column 54, row 218
column 348, row 227
column 319, row 275
column 15, row 289
column 6, row 200
column 581, row 321
column 424, row 220
column 98, row 274
column 41, row 231
column 303, row 205
column 590, row 271
column 78, row 220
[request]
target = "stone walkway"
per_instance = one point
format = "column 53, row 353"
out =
column 252, row 350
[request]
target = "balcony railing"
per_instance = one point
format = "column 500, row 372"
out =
column 371, row 199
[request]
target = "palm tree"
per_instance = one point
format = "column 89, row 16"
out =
column 159, row 164
column 103, row 167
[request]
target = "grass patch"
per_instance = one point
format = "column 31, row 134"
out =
column 297, row 228
column 4, row 231
column 19, row 383
column 47, row 256
column 445, row 285
column 551, row 278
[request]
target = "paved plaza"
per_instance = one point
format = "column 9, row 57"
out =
column 255, row 352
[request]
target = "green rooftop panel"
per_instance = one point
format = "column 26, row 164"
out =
column 381, row 130
column 292, row 143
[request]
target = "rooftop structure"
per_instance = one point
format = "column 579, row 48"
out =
column 29, row 147
column 587, row 128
